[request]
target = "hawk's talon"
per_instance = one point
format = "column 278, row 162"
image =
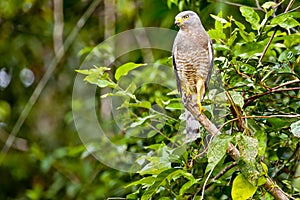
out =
column 201, row 109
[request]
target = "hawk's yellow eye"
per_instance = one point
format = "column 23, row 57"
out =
column 185, row 16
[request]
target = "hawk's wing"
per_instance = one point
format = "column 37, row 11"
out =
column 211, row 63
column 176, row 72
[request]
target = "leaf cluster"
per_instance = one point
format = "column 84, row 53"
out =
column 260, row 75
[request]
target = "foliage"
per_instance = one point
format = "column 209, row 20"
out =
column 263, row 107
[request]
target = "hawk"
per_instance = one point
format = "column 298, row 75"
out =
column 192, row 61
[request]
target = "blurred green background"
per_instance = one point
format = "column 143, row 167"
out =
column 47, row 159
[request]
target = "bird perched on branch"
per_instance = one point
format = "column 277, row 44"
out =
column 193, row 61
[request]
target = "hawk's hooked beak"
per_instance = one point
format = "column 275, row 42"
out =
column 178, row 21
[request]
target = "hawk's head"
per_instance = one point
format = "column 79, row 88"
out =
column 187, row 19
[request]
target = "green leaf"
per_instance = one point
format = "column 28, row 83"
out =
column 83, row 71
column 221, row 47
column 239, row 25
column 97, row 76
column 216, row 150
column 154, row 146
column 268, row 4
column 251, row 16
column 187, row 186
column 264, row 167
column 248, row 37
column 104, row 83
column 216, row 34
column 286, row 20
column 261, row 137
column 249, row 69
column 131, row 88
column 218, row 24
column 237, row 98
column 156, row 165
column 219, row 19
column 295, row 128
column 248, row 147
column 186, row 175
column 144, row 181
column 242, row 189
column 249, row 49
column 279, row 123
column 96, row 70
column 251, row 171
column 261, row 181
column 141, row 104
column 160, row 179
column 232, row 39
column 133, row 195
column 124, row 69
column 291, row 40
column 175, row 106
column 140, row 120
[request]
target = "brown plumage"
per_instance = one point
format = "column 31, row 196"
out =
column 193, row 62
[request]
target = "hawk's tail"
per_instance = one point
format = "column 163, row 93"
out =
column 193, row 129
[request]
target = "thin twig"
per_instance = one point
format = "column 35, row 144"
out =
column 158, row 131
column 272, row 116
column 262, row 117
column 289, row 6
column 258, row 6
column 205, row 183
column 19, row 143
column 272, row 36
column 267, row 46
column 251, row 99
column 295, row 9
column 235, row 4
column 287, row 83
column 221, row 173
column 236, row 111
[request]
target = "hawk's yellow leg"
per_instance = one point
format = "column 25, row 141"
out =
column 200, row 93
column 188, row 90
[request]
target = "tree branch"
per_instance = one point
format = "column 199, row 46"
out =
column 273, row 90
column 261, row 117
column 221, row 173
column 211, row 128
column 235, row 4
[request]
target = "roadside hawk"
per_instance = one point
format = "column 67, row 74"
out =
column 193, row 61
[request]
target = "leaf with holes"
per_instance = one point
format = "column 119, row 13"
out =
column 216, row 151
column 248, row 147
